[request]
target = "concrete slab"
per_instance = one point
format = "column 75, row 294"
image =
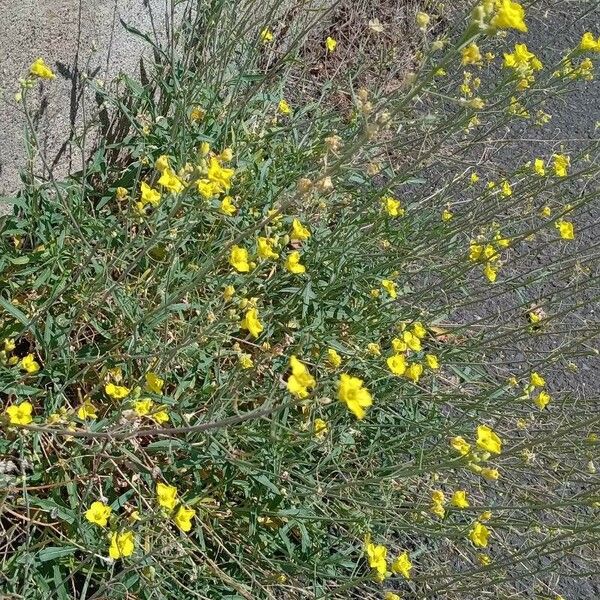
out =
column 74, row 37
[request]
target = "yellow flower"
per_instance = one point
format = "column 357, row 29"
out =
column 239, row 260
column 330, row 43
column 588, row 43
column 116, row 392
column 220, row 177
column 197, row 114
column 162, row 163
column 422, row 19
column 459, row 499
column 561, row 165
column 226, row 155
column 392, row 206
column 479, row 535
column 292, row 263
column 539, row 167
column 284, row 108
column 432, row 361
column 412, row 341
column 354, row 395
column 207, row 189
column 460, row 445
column 488, row 440
column 154, row 383
column 121, row 544
column 471, row 54
column 447, row 215
column 143, row 408
column 390, row 287
column 183, row 518
column 474, row 178
column 20, row 414
column 98, row 513
column 505, row 189
column 509, row 15
column 252, row 323
column 160, row 416
column 121, row 193
column 246, row 361
column 40, row 69
column 414, row 372
column 542, row 400
column 166, row 495
column 333, row 358
column 299, row 233
column 228, row 292
column 376, row 555
column 484, row 559
column 438, row 509
column 565, row 229
column 227, row 206
column 374, row 349
column 491, row 474
column 300, row 380
column 29, row 364
column 537, row 380
column 87, row 411
column 320, row 428
column 149, row 195
column 391, row 596
column 402, row 565
column 490, row 272
column 397, row 364
column 266, row 36
column 264, row 248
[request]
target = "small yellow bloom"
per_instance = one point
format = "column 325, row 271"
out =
column 390, row 287
column 506, row 189
column 219, row 176
column 333, row 358
column 459, row 499
column 460, row 445
column 121, row 544
column 143, row 408
column 391, row 596
column 292, row 263
column 154, row 383
column 116, row 392
column 376, row 555
column 197, row 114
column 422, row 19
column 479, row 535
column 251, row 322
column 474, row 178
column 299, row 233
column 392, row 206
column 87, row 411
column 588, row 43
column 537, row 380
column 166, row 495
column 121, row 193
column 40, row 69
column 183, row 518
column 330, row 44
column 264, row 248
column 490, row 474
column 561, row 165
column 245, row 361
column 266, row 35
column 29, row 364
column 374, row 349
column 490, row 272
column 484, row 559
column 538, row 167
column 20, row 414
column 98, row 513
column 239, row 259
column 162, row 163
column 447, row 215
column 354, row 395
column 488, row 440
column 227, row 206
column 432, row 361
column 509, row 15
column 542, row 400
column 565, row 229
column 320, row 428
column 412, row 341
column 228, row 292
column 149, row 195
column 300, row 380
column 397, row 364
column 414, row 372
column 284, row 108
column 402, row 565
column 471, row 54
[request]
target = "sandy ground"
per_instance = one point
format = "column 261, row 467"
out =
column 75, row 37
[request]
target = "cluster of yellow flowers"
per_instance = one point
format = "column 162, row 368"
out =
column 410, row 341
column 377, row 559
column 488, row 444
column 488, row 254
